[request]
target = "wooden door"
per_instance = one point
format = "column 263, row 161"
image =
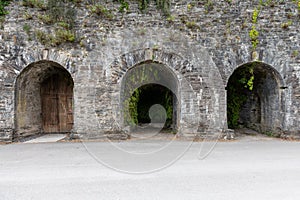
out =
column 57, row 104
column 49, row 113
column 65, row 112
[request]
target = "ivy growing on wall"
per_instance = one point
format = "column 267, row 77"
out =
column 138, row 99
column 239, row 85
column 133, row 108
column 168, row 104
column 253, row 34
column 143, row 74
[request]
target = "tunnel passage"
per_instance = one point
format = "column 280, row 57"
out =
column 144, row 86
column 154, row 94
column 254, row 98
column 44, row 100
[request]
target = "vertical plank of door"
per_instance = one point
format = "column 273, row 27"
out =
column 62, row 113
column 70, row 112
column 50, row 115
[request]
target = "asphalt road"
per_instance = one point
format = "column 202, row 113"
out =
column 246, row 169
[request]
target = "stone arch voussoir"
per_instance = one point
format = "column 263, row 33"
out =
column 187, row 74
column 270, row 67
column 63, row 59
column 175, row 62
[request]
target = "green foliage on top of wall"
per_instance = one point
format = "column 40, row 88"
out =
column 209, row 5
column 3, row 11
column 124, row 7
column 60, row 36
column 61, row 11
column 54, row 11
column 100, row 10
column 3, row 3
column 35, row 4
column 163, row 5
column 267, row 2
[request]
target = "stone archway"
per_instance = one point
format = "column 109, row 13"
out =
column 150, row 84
column 44, row 100
column 194, row 108
column 254, row 98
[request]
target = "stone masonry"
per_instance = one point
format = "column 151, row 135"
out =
column 198, row 46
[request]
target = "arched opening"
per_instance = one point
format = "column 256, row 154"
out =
column 254, row 98
column 44, row 100
column 146, row 88
column 150, row 95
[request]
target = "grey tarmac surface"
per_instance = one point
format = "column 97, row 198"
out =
column 250, row 168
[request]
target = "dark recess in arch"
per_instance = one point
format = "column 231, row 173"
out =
column 150, row 95
column 261, row 108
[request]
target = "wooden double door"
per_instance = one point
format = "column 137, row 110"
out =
column 57, row 104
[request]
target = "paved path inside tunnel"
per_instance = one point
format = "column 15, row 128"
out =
column 249, row 168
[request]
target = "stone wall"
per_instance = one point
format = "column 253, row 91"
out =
column 7, row 76
column 201, row 43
